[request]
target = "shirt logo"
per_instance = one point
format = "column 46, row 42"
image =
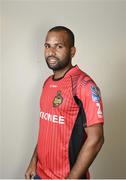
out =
column 95, row 93
column 53, row 86
column 52, row 117
column 58, row 99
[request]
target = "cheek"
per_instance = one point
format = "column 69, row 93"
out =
column 62, row 54
column 45, row 53
column 66, row 55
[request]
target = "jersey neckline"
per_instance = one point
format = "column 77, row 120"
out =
column 68, row 72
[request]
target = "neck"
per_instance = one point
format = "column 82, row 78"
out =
column 60, row 73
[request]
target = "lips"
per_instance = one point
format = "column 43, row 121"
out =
column 52, row 60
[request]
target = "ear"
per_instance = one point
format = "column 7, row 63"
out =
column 73, row 51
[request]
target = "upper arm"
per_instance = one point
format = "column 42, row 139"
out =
column 95, row 133
column 91, row 99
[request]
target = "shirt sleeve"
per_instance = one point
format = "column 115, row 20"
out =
column 92, row 103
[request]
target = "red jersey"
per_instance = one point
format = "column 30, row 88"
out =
column 67, row 106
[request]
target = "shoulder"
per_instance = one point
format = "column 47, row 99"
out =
column 85, row 80
column 47, row 80
column 86, row 85
column 81, row 82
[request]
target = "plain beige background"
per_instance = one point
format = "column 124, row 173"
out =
column 100, row 32
column 0, row 97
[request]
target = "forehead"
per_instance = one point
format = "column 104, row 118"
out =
column 57, row 37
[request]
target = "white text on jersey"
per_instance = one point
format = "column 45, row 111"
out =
column 52, row 117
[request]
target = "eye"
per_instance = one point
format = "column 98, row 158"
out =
column 46, row 46
column 59, row 46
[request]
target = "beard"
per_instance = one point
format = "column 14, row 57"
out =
column 58, row 64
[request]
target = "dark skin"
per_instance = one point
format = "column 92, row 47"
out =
column 58, row 54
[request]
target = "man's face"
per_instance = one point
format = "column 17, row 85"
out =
column 58, row 52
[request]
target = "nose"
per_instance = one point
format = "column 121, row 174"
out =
column 52, row 51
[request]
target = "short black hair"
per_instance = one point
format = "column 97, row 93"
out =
column 68, row 31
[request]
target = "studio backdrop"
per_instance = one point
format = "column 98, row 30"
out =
column 99, row 28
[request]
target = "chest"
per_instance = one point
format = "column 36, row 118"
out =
column 58, row 96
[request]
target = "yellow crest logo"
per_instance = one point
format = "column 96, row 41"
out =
column 58, row 99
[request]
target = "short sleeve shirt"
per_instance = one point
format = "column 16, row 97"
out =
column 67, row 106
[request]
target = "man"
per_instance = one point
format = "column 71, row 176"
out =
column 71, row 115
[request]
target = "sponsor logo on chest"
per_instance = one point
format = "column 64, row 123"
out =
column 52, row 117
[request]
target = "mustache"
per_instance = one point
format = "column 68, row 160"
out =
column 49, row 57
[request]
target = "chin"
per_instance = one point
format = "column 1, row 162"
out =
column 54, row 68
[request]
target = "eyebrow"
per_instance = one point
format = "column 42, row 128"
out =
column 54, row 44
